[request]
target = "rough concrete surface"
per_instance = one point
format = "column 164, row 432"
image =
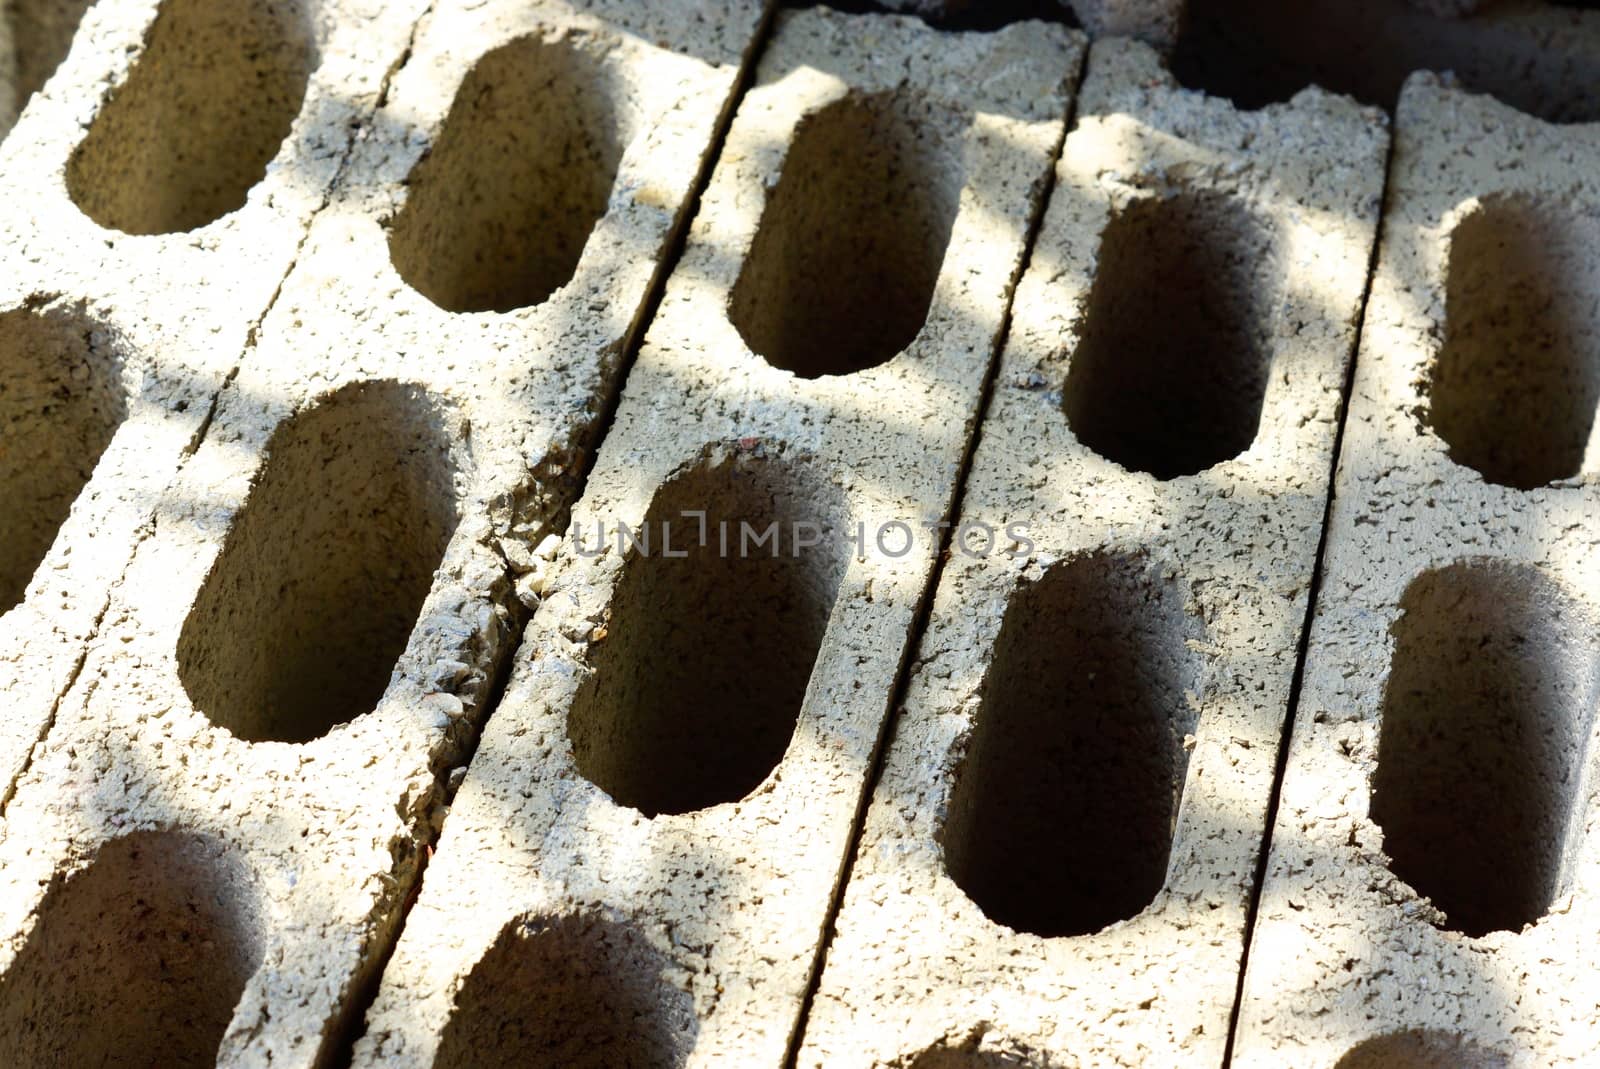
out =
column 1434, row 882
column 639, row 864
column 1057, row 862
column 1539, row 56
column 209, row 854
column 154, row 194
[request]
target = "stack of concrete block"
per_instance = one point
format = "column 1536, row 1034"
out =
column 35, row 36
column 155, row 193
column 208, row 856
column 1434, row 885
column 1057, row 864
column 640, row 864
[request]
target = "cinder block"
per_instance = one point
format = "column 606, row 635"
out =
column 1542, row 57
column 1431, row 897
column 153, row 195
column 640, row 862
column 210, row 853
column 1058, row 859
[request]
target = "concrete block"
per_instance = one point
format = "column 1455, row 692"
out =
column 1433, row 890
column 1542, row 57
column 153, row 195
column 1058, row 859
column 641, row 860
column 209, row 855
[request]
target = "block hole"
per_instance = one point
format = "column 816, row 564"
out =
column 1170, row 371
column 575, row 992
column 137, row 960
column 1064, row 806
column 37, row 36
column 1516, row 386
column 298, row 626
column 498, row 212
column 842, row 270
column 61, row 401
column 1486, row 717
column 204, row 110
column 697, row 688
column 1422, row 1049
column 1259, row 52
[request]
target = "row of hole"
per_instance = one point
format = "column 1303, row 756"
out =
column 1169, row 387
column 844, row 265
column 220, row 82
column 141, row 958
column 1061, row 821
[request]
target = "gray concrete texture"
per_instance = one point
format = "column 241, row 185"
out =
column 365, row 709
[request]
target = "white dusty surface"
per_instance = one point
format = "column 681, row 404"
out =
column 1143, row 643
column 1448, row 714
column 640, row 861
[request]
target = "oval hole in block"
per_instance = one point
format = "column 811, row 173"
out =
column 1517, row 381
column 499, row 211
column 1063, row 811
column 203, row 111
column 1422, row 1049
column 1486, row 718
column 61, row 401
column 1170, row 371
column 138, row 959
column 842, row 270
column 320, row 583
column 574, row 992
column 697, row 689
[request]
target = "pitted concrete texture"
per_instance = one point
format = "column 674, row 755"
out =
column 1057, row 862
column 213, row 130
column 1434, row 883
column 1542, row 57
column 210, row 852
column 639, row 865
